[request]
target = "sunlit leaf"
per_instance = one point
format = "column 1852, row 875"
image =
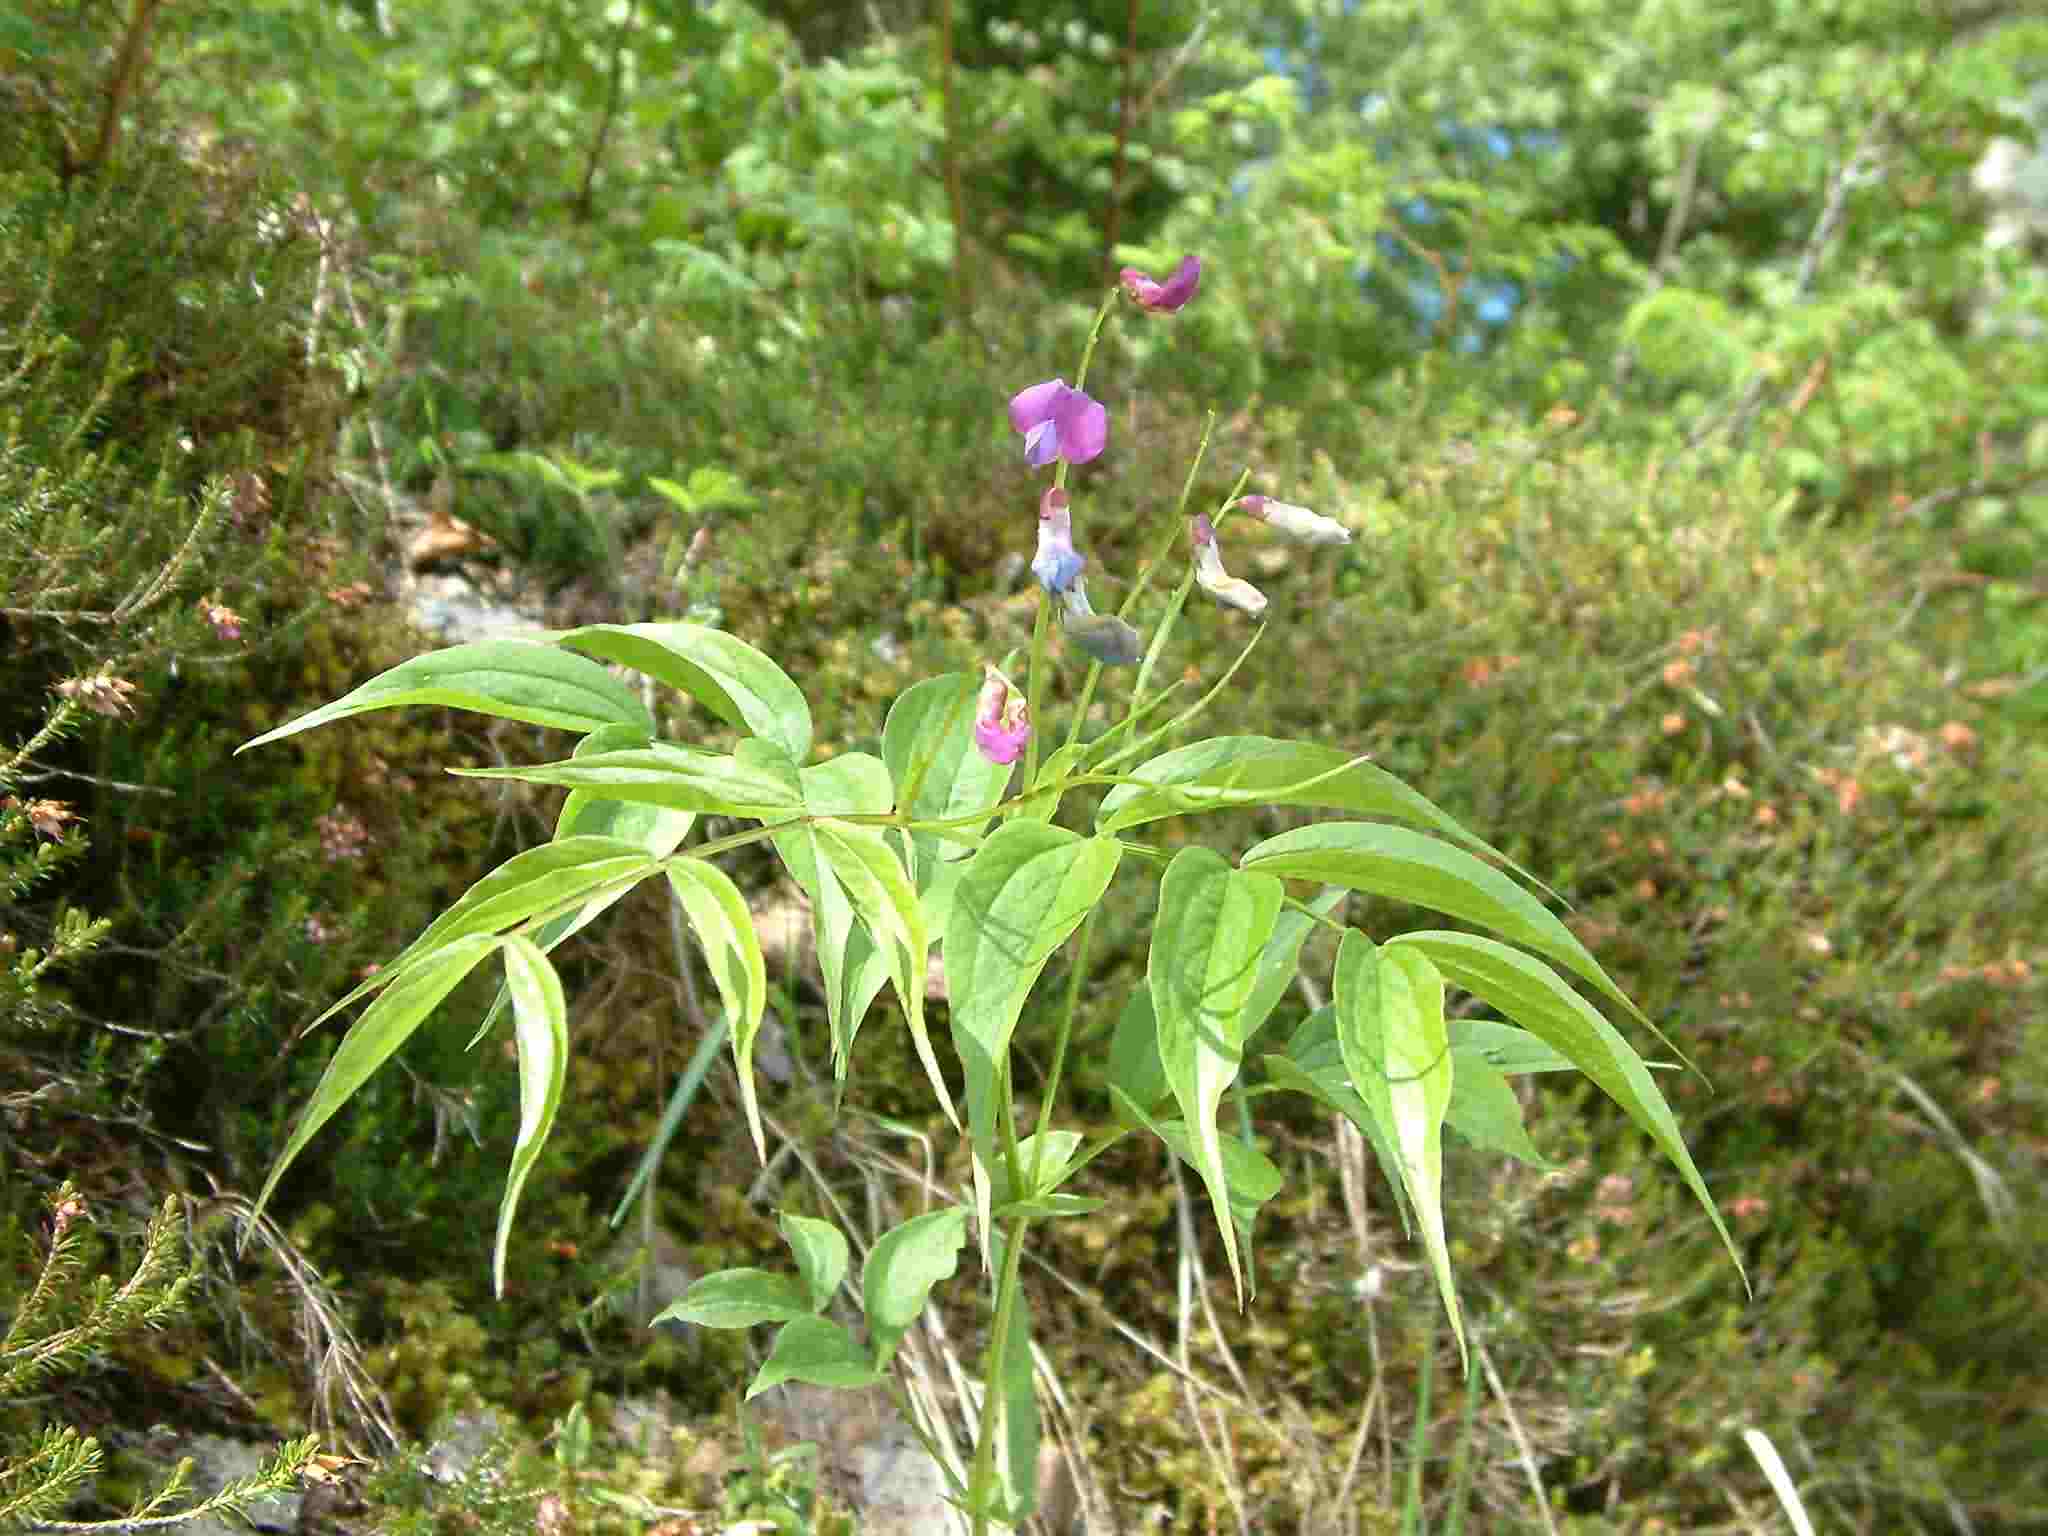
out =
column 737, row 683
column 512, row 679
column 901, row 1269
column 1022, row 893
column 725, row 929
column 748, row 782
column 1397, row 1053
column 540, row 1026
column 1408, row 866
column 1212, row 926
column 821, row 1255
column 928, row 743
column 1538, row 999
column 817, row 1350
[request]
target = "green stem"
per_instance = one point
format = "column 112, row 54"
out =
column 980, row 1484
column 1059, row 1053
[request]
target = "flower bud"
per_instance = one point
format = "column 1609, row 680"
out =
column 1214, row 580
column 1056, row 565
column 1297, row 523
column 1002, row 718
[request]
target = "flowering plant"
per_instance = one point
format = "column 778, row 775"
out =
column 942, row 841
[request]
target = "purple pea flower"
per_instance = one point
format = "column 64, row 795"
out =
column 1056, row 565
column 1210, row 576
column 1163, row 298
column 1058, row 423
column 1002, row 718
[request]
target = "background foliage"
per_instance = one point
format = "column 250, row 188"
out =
column 1683, row 386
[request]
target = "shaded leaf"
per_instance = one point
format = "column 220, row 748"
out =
column 821, row 1255
column 732, row 950
column 901, row 1269
column 739, row 1298
column 817, row 1350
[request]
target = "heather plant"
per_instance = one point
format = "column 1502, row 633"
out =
column 56, row 1327
column 932, row 843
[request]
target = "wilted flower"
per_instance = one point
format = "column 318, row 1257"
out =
column 1214, row 580
column 225, row 621
column 1298, row 523
column 1059, row 423
column 1163, row 298
column 1056, row 565
column 103, row 695
column 1002, row 719
column 1104, row 636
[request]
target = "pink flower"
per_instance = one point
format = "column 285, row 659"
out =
column 1298, row 523
column 225, row 621
column 1102, row 635
column 1214, row 580
column 1002, row 719
column 1056, row 565
column 1163, row 298
column 103, row 695
column 1058, row 423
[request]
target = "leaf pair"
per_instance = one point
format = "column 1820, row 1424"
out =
column 896, row 1282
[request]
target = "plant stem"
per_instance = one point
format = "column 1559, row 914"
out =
column 980, row 1489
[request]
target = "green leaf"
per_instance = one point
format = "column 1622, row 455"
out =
column 1485, row 1111
column 1329, row 1088
column 1058, row 1156
column 512, row 679
column 1506, row 1048
column 1057, row 767
column 928, row 743
column 1251, row 1176
column 901, row 1269
column 1540, row 1000
column 1393, row 861
column 385, row 1025
column 725, row 929
column 853, row 965
column 1280, row 961
column 1397, row 1052
column 727, row 676
column 524, row 884
column 583, row 814
column 1016, row 1428
column 887, row 904
column 1262, row 770
column 739, row 1298
column 540, row 1026
column 1024, row 891
column 817, row 1350
column 1134, row 1065
column 746, row 783
column 821, row 1255
column 1213, row 924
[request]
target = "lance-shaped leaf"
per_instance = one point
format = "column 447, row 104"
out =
column 540, row 1026
column 1329, row 1088
column 725, row 929
column 1252, row 1177
column 1484, row 1109
column 754, row 780
column 901, row 1269
column 887, row 904
column 821, row 1255
column 1397, row 1053
column 739, row 1298
column 1135, row 1070
column 1213, row 924
column 928, row 744
column 727, row 676
column 512, row 679
column 817, row 1350
column 1263, row 770
column 385, row 1026
column 1408, row 866
column 854, row 967
column 1280, row 961
column 1507, row 1049
column 583, row 814
column 526, row 883
column 1537, row 998
column 1026, row 888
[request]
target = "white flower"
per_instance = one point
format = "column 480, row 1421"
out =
column 1297, row 523
column 1214, row 580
